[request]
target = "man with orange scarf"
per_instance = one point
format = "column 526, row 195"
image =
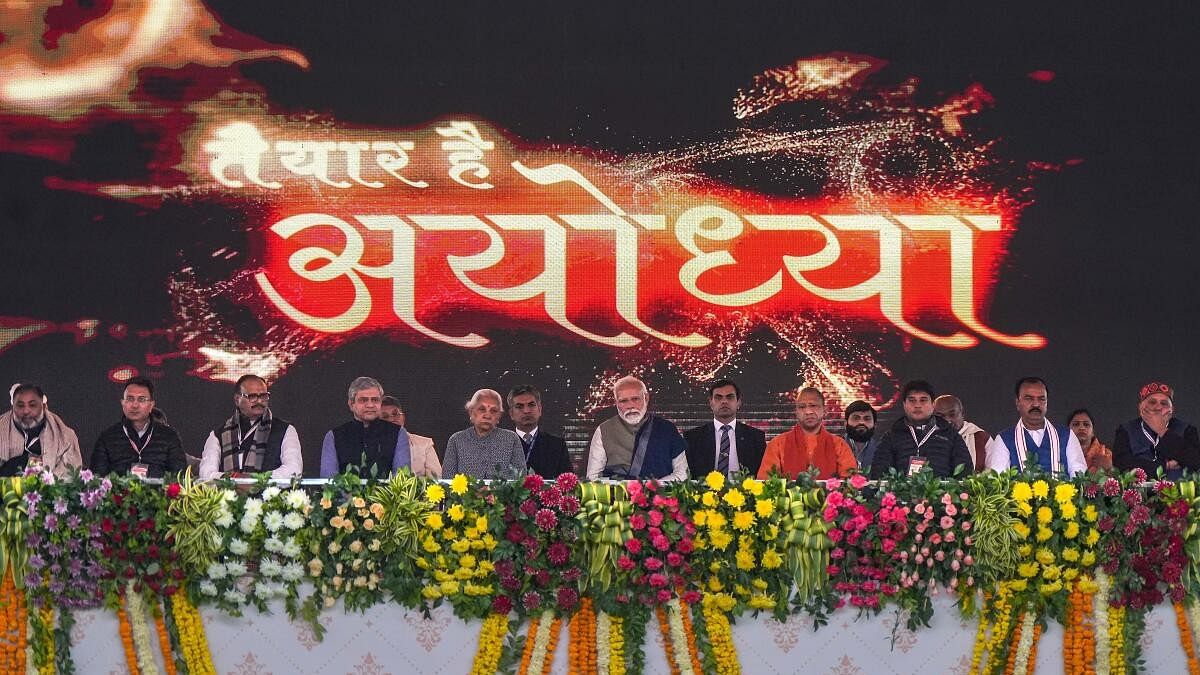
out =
column 808, row 444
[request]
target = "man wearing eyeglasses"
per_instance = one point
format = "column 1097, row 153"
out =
column 253, row 440
column 138, row 444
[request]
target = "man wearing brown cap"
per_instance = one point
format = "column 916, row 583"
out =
column 1156, row 438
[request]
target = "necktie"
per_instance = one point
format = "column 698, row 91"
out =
column 527, row 441
column 723, row 456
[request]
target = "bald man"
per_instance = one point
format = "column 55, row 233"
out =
column 950, row 408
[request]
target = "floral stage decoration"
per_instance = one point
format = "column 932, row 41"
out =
column 606, row 559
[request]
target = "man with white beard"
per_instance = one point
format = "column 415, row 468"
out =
column 31, row 434
column 635, row 444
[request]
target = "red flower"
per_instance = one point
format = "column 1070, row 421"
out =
column 569, row 505
column 691, row 597
column 532, row 600
column 533, row 481
column 501, row 604
column 567, row 482
column 653, row 564
column 106, row 525
column 529, row 507
column 546, row 519
column 634, row 546
column 664, row 595
column 551, row 496
column 625, row 562
column 656, row 518
column 658, row 581
column 661, row 543
column 637, row 521
column 567, row 598
column 515, row 533
column 173, row 490
column 558, row 553
column 674, row 559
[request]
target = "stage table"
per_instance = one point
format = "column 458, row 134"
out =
column 388, row 639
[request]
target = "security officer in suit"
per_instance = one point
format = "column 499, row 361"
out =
column 725, row 444
column 545, row 455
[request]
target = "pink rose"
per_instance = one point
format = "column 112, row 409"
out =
column 674, row 559
column 835, row 499
column 951, row 510
column 656, row 518
column 940, row 555
column 935, row 539
column 634, row 546
column 836, row 535
column 658, row 580
column 888, row 545
column 637, row 521
column 950, row 537
column 966, row 526
column 947, row 522
column 833, row 484
column 653, row 564
column 664, row 595
column 662, row 543
column 858, row 481
column 625, row 563
column 919, row 508
column 889, row 500
column 969, row 560
column 947, row 499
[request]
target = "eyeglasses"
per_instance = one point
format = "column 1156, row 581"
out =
column 265, row 396
column 137, row 399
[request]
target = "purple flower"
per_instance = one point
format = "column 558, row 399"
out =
column 86, row 475
column 33, row 540
column 76, row 567
column 54, row 550
column 60, row 506
column 51, row 521
column 32, row 499
column 36, row 562
column 73, row 522
column 32, row 579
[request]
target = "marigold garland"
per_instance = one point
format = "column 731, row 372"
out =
column 1186, row 638
column 1100, row 611
column 676, row 639
column 491, row 643
column 545, row 649
column 685, row 616
column 1116, row 640
column 192, row 640
column 530, row 638
column 1079, row 640
column 716, row 624
column 164, row 643
column 616, row 641
column 126, row 631
column 581, row 650
column 665, row 628
column 13, row 644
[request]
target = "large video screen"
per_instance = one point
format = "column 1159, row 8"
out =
column 449, row 199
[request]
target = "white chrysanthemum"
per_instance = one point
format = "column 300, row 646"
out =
column 216, row 571
column 297, row 499
column 236, row 569
column 254, row 506
column 292, row 572
column 235, row 596
column 208, row 588
column 228, row 495
column 291, row 549
column 273, row 521
column 262, row 590
column 270, row 493
column 293, row 521
column 249, row 523
column 273, row 545
column 224, row 520
column 269, row 568
column 238, row 547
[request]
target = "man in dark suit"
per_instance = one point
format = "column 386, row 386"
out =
column 725, row 444
column 545, row 455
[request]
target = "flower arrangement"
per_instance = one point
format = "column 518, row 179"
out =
column 136, row 545
column 866, row 544
column 536, row 560
column 744, row 519
column 65, row 541
column 261, row 551
column 456, row 548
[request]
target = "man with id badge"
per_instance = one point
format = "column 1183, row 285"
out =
column 921, row 441
column 137, row 444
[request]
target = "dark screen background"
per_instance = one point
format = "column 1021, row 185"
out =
column 1102, row 263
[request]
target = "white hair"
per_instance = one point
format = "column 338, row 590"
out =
column 363, row 384
column 629, row 382
column 484, row 393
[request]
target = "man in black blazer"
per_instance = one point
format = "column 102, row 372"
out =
column 708, row 449
column 545, row 455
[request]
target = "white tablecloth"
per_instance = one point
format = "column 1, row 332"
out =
column 387, row 639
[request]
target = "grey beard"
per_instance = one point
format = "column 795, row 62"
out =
column 31, row 424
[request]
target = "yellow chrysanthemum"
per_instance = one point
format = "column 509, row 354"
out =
column 1044, row 533
column 1090, row 513
column 433, row 521
column 1028, row 570
column 1072, row 530
column 1025, row 509
column 721, row 539
column 771, row 559
column 1051, row 588
column 450, row 587
column 1051, row 572
column 435, row 493
column 716, row 520
column 1022, row 530
column 1064, row 492
column 1025, row 550
column 715, row 585
column 1070, row 554
column 759, row 584
column 467, row 561
column 709, row 500
column 1041, row 489
column 1068, row 510
column 459, row 485
column 430, row 545
column 481, row 523
column 1018, row 585
column 754, row 487
column 715, row 480
column 1044, row 515
column 1045, row 556
column 761, row 602
column 1021, row 492
column 743, row 520
column 764, row 507
column 745, row 559
column 456, row 512
column 1093, row 536
column 700, row 517
column 1070, row 573
column 461, row 546
column 735, row 498
column 1087, row 559
column 1087, row 585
